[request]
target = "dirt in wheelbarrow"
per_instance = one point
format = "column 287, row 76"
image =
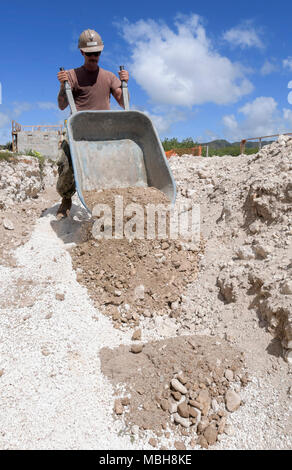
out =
column 130, row 277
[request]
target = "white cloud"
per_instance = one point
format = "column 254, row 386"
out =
column 181, row 67
column 20, row 107
column 163, row 122
column 244, row 36
column 261, row 117
column 4, row 120
column 47, row 105
column 287, row 63
column 268, row 67
column 287, row 113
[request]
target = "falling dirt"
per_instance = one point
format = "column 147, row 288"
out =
column 128, row 276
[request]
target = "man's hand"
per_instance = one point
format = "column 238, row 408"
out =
column 124, row 75
column 62, row 76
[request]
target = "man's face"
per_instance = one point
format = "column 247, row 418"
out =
column 91, row 59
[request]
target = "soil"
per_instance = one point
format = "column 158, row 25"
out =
column 227, row 300
column 199, row 362
column 132, row 277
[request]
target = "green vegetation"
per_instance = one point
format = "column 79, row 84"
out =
column 7, row 156
column 173, row 143
column 218, row 147
column 233, row 150
column 7, row 146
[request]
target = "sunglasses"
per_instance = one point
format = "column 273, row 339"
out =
column 89, row 54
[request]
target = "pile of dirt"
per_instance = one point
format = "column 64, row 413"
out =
column 180, row 387
column 246, row 207
column 23, row 192
column 23, row 177
column 129, row 277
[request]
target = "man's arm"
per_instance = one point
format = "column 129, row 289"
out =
column 117, row 92
column 62, row 98
column 118, row 95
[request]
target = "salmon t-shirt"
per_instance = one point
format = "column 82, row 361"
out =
column 91, row 90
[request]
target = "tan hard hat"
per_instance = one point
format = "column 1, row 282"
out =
column 90, row 41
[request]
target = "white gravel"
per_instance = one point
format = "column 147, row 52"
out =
column 53, row 395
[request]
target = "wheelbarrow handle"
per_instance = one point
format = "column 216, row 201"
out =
column 69, row 94
column 125, row 92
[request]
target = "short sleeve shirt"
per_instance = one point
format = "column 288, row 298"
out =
column 92, row 90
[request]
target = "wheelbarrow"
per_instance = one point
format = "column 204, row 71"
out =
column 116, row 149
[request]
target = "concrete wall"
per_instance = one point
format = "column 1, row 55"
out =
column 44, row 142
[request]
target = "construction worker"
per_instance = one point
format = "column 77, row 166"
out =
column 91, row 87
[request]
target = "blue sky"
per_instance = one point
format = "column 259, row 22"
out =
column 200, row 69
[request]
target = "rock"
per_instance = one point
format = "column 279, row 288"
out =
column 214, row 404
column 255, row 227
column 174, row 305
column 172, row 408
column 176, row 395
column 164, row 246
column 288, row 356
column 60, row 296
column 262, row 251
column 229, row 430
column 183, row 410
column 194, row 412
column 179, row 445
column 135, row 429
column 195, row 416
column 232, row 400
column 229, row 375
column 245, row 253
column 136, row 348
column 193, row 443
column 125, row 401
column 182, row 379
column 164, row 405
column 153, row 442
column 210, row 434
column 8, row 224
column 202, row 441
column 1, row 372
column 287, row 288
column 222, row 425
column 139, row 292
column 204, row 399
column 203, row 424
column 180, row 420
column 118, row 407
column 45, row 352
column 176, row 385
column 136, row 335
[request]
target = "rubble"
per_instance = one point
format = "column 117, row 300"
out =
column 247, row 214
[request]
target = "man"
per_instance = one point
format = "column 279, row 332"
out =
column 91, row 87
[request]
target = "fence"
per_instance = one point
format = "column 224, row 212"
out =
column 196, row 151
column 243, row 142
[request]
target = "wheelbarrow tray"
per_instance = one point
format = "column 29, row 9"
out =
column 117, row 149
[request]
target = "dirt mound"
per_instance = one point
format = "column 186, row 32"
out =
column 130, row 277
column 246, row 207
column 183, row 386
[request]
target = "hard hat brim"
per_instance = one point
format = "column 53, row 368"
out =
column 92, row 49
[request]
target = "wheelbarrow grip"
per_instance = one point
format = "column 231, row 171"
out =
column 69, row 94
column 125, row 91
